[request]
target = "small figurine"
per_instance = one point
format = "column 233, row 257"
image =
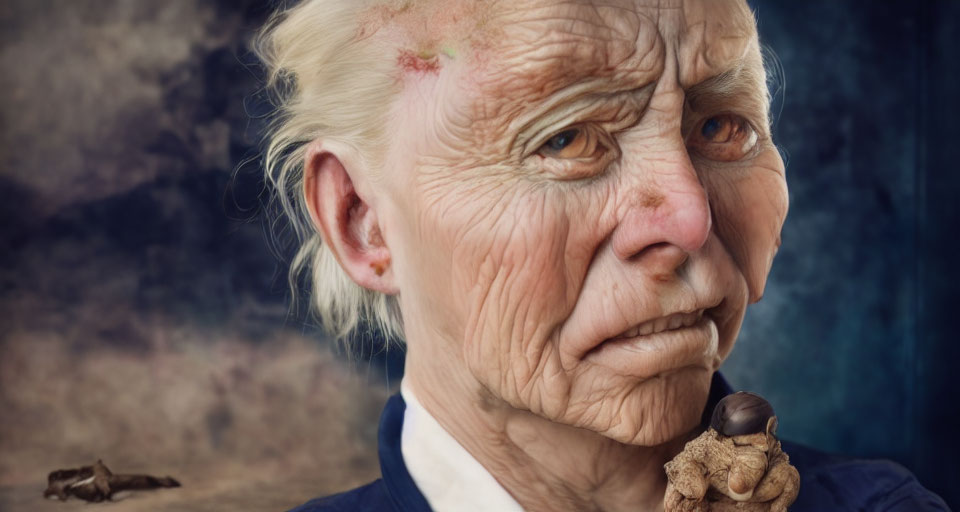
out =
column 736, row 465
column 98, row 483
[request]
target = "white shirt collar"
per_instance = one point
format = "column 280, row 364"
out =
column 444, row 471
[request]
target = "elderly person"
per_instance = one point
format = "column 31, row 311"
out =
column 563, row 209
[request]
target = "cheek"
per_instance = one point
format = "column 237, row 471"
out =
column 515, row 258
column 514, row 283
column 749, row 206
column 520, row 295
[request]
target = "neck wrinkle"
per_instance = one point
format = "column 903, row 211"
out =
column 545, row 466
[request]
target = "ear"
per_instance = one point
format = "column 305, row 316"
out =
column 347, row 221
column 772, row 426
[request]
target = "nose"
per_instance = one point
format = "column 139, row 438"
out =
column 666, row 217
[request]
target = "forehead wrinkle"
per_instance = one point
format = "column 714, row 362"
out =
column 500, row 77
column 427, row 26
column 604, row 44
column 714, row 38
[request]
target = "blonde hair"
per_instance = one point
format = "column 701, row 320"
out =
column 330, row 81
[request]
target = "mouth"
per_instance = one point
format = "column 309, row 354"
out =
column 677, row 340
column 658, row 325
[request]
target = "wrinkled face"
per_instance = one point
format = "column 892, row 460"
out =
column 759, row 441
column 581, row 199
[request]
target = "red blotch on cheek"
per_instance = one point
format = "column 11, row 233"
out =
column 410, row 62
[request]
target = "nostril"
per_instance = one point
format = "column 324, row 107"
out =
column 663, row 259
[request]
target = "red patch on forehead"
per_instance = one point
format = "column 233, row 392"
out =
column 410, row 62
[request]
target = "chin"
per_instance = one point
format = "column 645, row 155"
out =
column 663, row 408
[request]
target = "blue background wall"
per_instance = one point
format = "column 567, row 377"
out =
column 116, row 194
column 854, row 342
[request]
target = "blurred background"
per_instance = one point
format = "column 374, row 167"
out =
column 145, row 317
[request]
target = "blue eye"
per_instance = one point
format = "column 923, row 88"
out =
column 724, row 138
column 581, row 142
column 710, row 128
column 562, row 139
column 577, row 151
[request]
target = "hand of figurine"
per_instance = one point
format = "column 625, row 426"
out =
column 776, row 491
column 691, row 482
column 779, row 485
column 676, row 501
column 686, row 487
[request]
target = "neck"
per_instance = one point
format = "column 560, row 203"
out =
column 544, row 465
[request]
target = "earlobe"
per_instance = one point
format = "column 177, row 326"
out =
column 346, row 220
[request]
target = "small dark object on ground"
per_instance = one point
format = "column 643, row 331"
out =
column 98, row 483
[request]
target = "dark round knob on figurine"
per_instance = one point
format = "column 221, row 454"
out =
column 742, row 413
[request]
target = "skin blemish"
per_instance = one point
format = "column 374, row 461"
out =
column 421, row 62
column 651, row 200
column 663, row 278
column 379, row 267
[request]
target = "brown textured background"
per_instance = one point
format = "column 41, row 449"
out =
column 144, row 318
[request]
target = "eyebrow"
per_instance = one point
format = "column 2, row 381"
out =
column 725, row 82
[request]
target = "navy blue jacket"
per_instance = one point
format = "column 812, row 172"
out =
column 828, row 483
